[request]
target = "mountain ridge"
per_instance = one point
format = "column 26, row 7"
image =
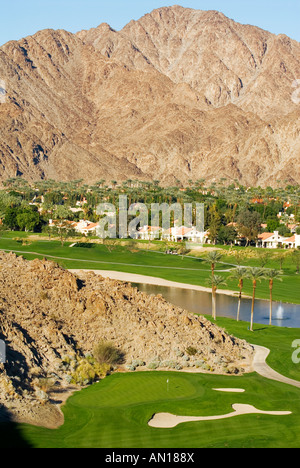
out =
column 186, row 93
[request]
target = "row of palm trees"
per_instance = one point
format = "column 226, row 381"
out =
column 240, row 274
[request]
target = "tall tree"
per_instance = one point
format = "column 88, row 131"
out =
column 215, row 281
column 239, row 274
column 272, row 275
column 214, row 224
column 249, row 225
column 213, row 257
column 255, row 274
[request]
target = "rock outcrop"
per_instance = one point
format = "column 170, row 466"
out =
column 48, row 314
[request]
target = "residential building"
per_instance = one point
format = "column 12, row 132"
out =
column 149, row 233
column 292, row 242
column 83, row 227
column 183, row 233
column 268, row 240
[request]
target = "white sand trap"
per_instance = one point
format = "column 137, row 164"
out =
column 233, row 390
column 167, row 420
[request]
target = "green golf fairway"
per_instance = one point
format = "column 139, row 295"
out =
column 115, row 412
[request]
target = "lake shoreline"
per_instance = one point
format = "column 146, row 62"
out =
column 155, row 281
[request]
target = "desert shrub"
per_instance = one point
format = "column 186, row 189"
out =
column 45, row 384
column 178, row 352
column 88, row 371
column 85, row 245
column 83, row 370
column 205, row 366
column 138, row 363
column 107, row 353
column 170, row 364
column 153, row 365
column 131, row 367
column 191, row 351
column 199, row 363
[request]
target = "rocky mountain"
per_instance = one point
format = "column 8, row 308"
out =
column 50, row 319
column 186, row 94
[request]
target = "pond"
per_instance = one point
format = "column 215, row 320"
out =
column 284, row 315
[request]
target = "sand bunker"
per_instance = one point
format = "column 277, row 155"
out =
column 230, row 390
column 167, row 420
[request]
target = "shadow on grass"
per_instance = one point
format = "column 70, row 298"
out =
column 10, row 435
column 259, row 329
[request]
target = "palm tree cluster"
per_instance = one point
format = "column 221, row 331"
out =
column 240, row 274
column 233, row 212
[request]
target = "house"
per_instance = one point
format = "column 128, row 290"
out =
column 269, row 240
column 196, row 236
column 149, row 233
column 183, row 233
column 292, row 242
column 85, row 227
column 293, row 228
column 178, row 234
column 55, row 222
column 81, row 202
column 76, row 210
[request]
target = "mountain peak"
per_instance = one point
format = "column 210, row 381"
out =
column 189, row 92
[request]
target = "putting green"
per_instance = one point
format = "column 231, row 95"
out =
column 122, row 390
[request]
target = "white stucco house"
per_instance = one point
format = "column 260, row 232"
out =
column 268, row 240
column 292, row 242
column 183, row 233
column 83, row 227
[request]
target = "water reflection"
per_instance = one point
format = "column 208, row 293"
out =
column 284, row 315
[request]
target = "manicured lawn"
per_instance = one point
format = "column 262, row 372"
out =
column 114, row 412
column 187, row 270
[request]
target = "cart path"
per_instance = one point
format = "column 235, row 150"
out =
column 261, row 367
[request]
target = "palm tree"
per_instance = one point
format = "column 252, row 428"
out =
column 271, row 275
column 212, row 258
column 215, row 281
column 239, row 274
column 254, row 274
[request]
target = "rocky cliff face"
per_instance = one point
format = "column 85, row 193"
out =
column 47, row 314
column 190, row 93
